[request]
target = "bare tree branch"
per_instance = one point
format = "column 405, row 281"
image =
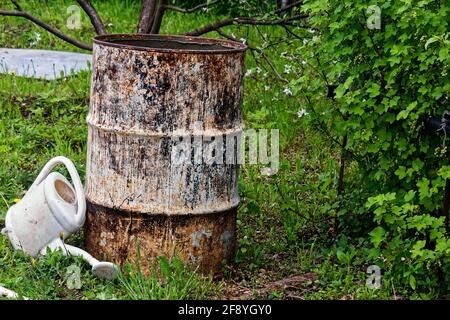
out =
column 147, row 16
column 211, row 27
column 260, row 51
column 243, row 21
column 270, row 63
column 93, row 16
column 289, row 31
column 17, row 5
column 198, row 7
column 158, row 17
column 294, row 4
column 22, row 13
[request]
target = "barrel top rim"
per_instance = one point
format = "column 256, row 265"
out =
column 113, row 40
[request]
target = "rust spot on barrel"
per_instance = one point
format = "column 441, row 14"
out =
column 151, row 96
column 205, row 240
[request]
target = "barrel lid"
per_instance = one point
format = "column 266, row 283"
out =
column 170, row 43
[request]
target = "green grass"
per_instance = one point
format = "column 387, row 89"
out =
column 52, row 277
column 283, row 223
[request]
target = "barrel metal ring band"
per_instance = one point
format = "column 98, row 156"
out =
column 177, row 133
column 127, row 211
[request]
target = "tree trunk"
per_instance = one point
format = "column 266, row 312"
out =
column 158, row 17
column 147, row 16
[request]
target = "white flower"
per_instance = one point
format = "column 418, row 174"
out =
column 312, row 31
column 302, row 113
column 258, row 70
column 268, row 171
column 304, row 62
column 37, row 38
column 243, row 40
column 287, row 69
column 248, row 72
column 266, row 88
column 287, row 91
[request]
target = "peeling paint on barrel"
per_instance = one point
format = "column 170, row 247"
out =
column 145, row 102
column 226, row 239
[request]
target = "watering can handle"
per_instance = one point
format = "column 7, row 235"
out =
column 81, row 200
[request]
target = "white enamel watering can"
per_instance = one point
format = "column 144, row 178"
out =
column 51, row 211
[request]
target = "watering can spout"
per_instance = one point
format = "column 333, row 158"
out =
column 101, row 269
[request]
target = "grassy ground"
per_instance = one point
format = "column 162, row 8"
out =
column 285, row 246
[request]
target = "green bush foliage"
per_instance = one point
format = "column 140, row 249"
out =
column 387, row 66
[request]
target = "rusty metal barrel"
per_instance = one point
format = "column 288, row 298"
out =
column 157, row 178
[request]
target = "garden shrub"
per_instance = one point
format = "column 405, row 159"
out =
column 387, row 79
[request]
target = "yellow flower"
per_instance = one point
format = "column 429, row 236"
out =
column 33, row 261
column 16, row 200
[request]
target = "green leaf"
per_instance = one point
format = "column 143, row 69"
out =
column 443, row 54
column 417, row 164
column 412, row 282
column 405, row 113
column 417, row 248
column 442, row 245
column 430, row 41
column 374, row 90
column 341, row 256
column 444, row 172
column 378, row 235
column 401, row 172
column 424, row 189
column 410, row 195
